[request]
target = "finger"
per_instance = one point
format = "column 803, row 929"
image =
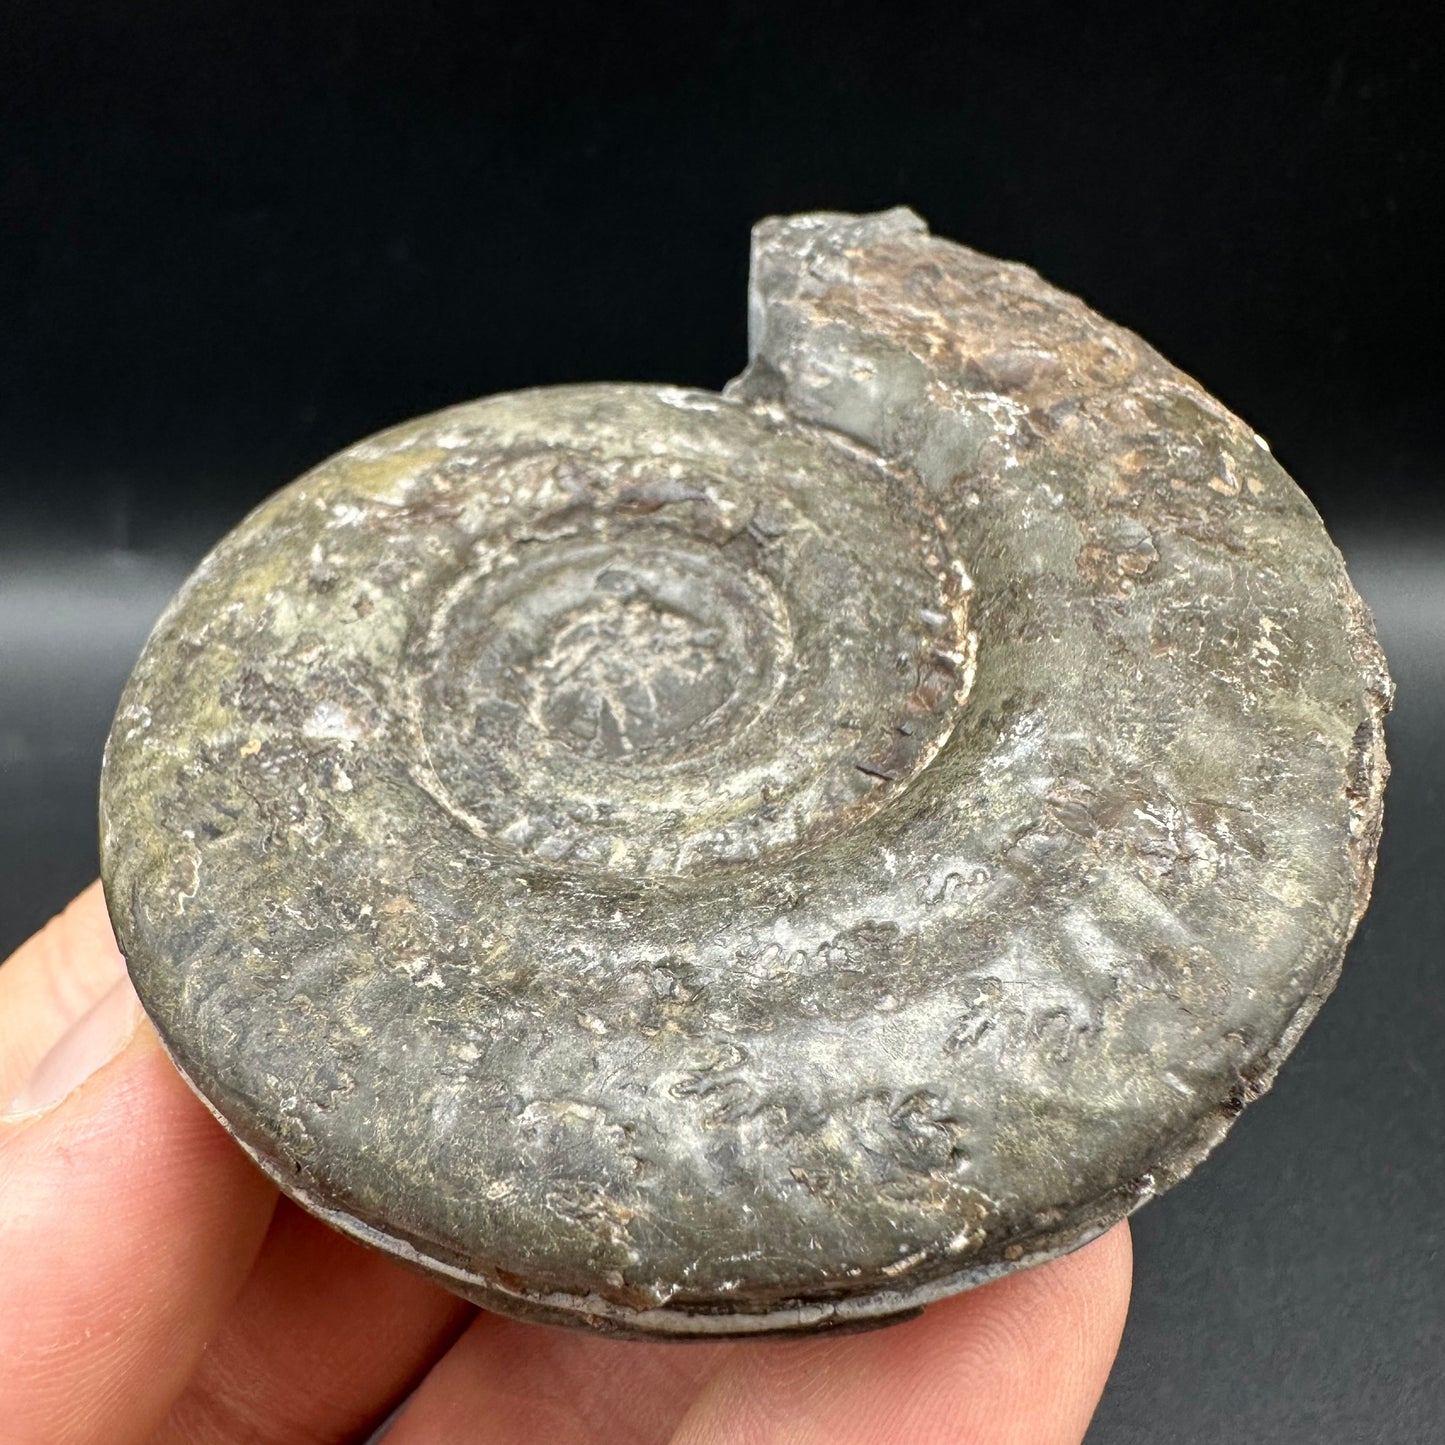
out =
column 51, row 981
column 128, row 1219
column 508, row 1383
column 1021, row 1360
column 325, row 1339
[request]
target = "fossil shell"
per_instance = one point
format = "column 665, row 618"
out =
column 694, row 864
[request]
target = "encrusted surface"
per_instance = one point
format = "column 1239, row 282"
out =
column 693, row 865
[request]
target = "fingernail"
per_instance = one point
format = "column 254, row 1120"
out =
column 93, row 1040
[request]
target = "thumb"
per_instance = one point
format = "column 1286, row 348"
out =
column 128, row 1219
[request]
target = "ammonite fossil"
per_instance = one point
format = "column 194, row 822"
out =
column 694, row 864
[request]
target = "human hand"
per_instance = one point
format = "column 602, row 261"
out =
column 154, row 1287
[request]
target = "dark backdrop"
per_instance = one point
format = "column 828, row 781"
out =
column 235, row 236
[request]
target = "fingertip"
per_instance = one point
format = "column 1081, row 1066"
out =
column 1024, row 1358
column 90, row 1042
column 51, row 981
column 1091, row 1283
column 1045, row 1339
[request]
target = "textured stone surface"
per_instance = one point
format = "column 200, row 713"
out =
column 710, row 865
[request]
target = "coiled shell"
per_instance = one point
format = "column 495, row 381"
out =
column 699, row 865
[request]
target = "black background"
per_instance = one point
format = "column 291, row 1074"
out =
column 236, row 236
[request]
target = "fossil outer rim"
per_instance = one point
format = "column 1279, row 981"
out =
column 980, row 952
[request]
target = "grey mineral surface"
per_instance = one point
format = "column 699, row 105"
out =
column 715, row 864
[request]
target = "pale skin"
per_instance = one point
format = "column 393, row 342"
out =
column 155, row 1288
